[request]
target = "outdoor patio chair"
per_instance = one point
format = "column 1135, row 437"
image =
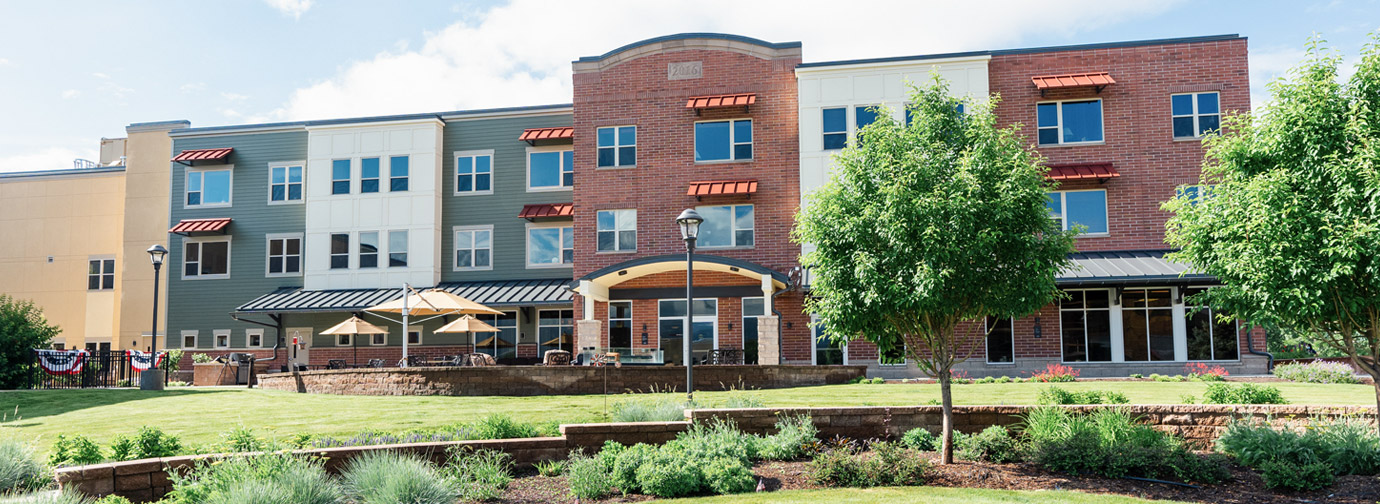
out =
column 335, row 364
column 556, row 358
column 375, row 363
column 416, row 361
column 725, row 356
column 479, row 359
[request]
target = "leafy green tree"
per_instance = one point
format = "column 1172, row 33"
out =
column 22, row 329
column 927, row 228
column 1288, row 213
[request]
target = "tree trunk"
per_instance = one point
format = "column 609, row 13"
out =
column 1376, row 381
column 946, row 454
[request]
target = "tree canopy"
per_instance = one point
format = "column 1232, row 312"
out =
column 22, row 329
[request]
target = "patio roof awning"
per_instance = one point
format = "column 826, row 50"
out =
column 506, row 293
column 1138, row 267
column 558, row 133
column 187, row 226
column 547, row 210
column 1097, row 171
column 722, row 187
column 1097, row 80
column 188, row 156
column 724, row 100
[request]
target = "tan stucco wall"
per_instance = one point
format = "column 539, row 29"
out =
column 147, row 152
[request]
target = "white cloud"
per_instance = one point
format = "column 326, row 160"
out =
column 52, row 158
column 230, row 113
column 4, row 61
column 520, row 53
column 1268, row 64
column 294, row 8
column 70, row 94
column 192, row 87
column 100, row 75
column 233, row 96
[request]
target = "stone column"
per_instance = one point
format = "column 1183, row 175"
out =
column 768, row 340
column 587, row 333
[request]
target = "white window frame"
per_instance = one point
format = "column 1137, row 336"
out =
column 1197, row 116
column 732, row 141
column 407, row 247
column 268, row 254
column 349, row 178
column 374, row 339
column 689, row 322
column 193, row 334
column 186, row 182
column 331, row 254
column 609, row 330
column 249, row 335
column 455, row 172
column 411, row 330
column 229, row 257
column 379, row 179
column 287, row 184
column 814, row 342
column 1064, row 211
column 1190, row 309
column 825, row 133
column 391, row 176
column 1114, row 328
column 732, row 227
column 344, row 340
column 217, row 334
column 617, row 146
column 617, row 230
column 355, row 255
column 562, row 168
column 455, row 249
column 986, row 352
column 101, row 273
column 1059, row 124
column 1176, row 316
column 527, row 248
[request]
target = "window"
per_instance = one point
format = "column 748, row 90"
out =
column 550, row 247
column 752, row 308
column 1194, row 114
column 284, row 255
column 620, row 324
column 206, row 259
column 726, row 226
column 550, row 170
column 343, row 339
column 1085, row 208
column 100, row 274
column 285, row 183
column 1194, row 193
column 369, row 175
column 189, row 339
column 864, row 115
column 1208, row 338
column 378, row 339
column 1069, row 122
column 617, row 230
column 618, row 146
column 397, row 173
column 502, row 344
column 222, row 337
column 368, row 250
column 474, row 248
column 1147, row 324
column 340, row 250
column 1085, row 323
column 704, row 335
column 397, row 249
column 414, row 337
column 208, row 188
column 910, row 113
column 555, row 331
column 340, row 176
column 835, row 128
column 1001, row 343
column 828, row 351
column 474, row 172
column 254, row 338
column 723, row 140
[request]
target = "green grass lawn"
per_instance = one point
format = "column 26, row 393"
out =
column 200, row 415
column 932, row 495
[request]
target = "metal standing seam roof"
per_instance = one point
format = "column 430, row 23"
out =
column 1126, row 267
column 722, row 187
column 1098, row 171
column 200, row 225
column 1085, row 79
column 725, row 100
column 557, row 133
column 494, row 293
column 203, row 154
column 547, row 210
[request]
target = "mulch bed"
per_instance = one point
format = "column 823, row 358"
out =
column 1246, row 487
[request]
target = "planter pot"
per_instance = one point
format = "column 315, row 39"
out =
column 210, row 374
column 151, row 379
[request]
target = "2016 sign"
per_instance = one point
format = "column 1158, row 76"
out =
column 686, row 70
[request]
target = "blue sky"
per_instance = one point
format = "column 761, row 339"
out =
column 74, row 71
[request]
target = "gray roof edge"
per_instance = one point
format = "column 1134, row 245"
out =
column 157, row 126
column 296, row 125
column 1030, row 50
column 62, row 172
column 254, row 305
column 688, row 36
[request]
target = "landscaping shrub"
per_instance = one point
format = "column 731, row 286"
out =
column 1291, row 476
column 242, row 439
column 994, row 444
column 395, row 478
column 793, row 435
column 481, row 475
column 1169, row 379
column 550, row 468
column 63, row 497
column 1317, row 372
column 20, row 468
column 629, row 460
column 649, row 409
column 150, row 442
column 1111, row 443
column 1055, row 373
column 920, row 439
column 1055, row 395
column 1137, row 376
column 267, row 478
column 112, row 499
column 1347, row 446
column 588, row 477
column 670, row 473
column 74, row 450
column 201, row 358
column 728, row 476
column 501, row 426
column 1201, row 372
column 1244, row 393
column 888, row 464
column 22, row 328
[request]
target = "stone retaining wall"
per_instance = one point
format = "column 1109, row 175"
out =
column 551, row 380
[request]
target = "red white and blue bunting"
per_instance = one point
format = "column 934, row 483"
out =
column 143, row 361
column 61, row 362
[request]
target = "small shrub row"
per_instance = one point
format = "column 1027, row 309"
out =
column 1305, row 459
column 1054, row 395
column 671, row 408
column 1317, row 372
column 1199, row 371
column 1055, row 373
column 1243, row 393
column 1111, row 443
column 885, row 464
column 149, row 442
column 866, row 381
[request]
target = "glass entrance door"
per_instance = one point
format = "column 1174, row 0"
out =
column 704, row 329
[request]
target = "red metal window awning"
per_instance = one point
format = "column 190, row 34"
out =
column 547, row 210
column 534, row 134
column 1098, row 171
column 186, row 226
column 725, row 100
column 719, row 187
column 1098, row 80
column 203, row 155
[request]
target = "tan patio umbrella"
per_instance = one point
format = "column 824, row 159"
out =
column 467, row 324
column 557, row 341
column 355, row 326
column 431, row 302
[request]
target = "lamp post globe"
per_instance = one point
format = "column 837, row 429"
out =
column 156, row 254
column 689, row 221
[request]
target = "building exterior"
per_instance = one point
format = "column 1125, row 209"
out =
column 84, row 232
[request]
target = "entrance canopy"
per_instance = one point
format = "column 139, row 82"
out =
column 596, row 284
column 1137, row 267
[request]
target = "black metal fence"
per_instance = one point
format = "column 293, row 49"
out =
column 101, row 368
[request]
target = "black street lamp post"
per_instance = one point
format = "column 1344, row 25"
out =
column 148, row 377
column 689, row 221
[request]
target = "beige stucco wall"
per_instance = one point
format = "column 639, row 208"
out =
column 145, row 222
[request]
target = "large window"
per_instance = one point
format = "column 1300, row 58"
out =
column 620, row 325
column 206, row 259
column 501, row 344
column 284, row 255
column 368, row 249
column 723, row 140
column 550, row 170
column 1001, row 343
column 835, row 128
column 753, row 307
column 100, row 274
column 340, row 176
column 827, row 350
column 369, row 175
column 340, row 250
column 864, row 115
column 703, row 329
column 1069, row 122
column 726, row 226
column 208, row 188
column 285, row 183
column 1147, row 324
column 550, row 247
column 474, row 248
column 1085, row 322
column 397, row 173
column 1074, row 208
column 474, row 172
column 617, row 146
column 617, row 230
column 555, row 331
column 1195, row 114
column 1209, row 338
column 397, row 249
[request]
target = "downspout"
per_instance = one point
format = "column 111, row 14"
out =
column 1250, row 348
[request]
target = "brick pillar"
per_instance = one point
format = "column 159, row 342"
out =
column 587, row 334
column 768, row 340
